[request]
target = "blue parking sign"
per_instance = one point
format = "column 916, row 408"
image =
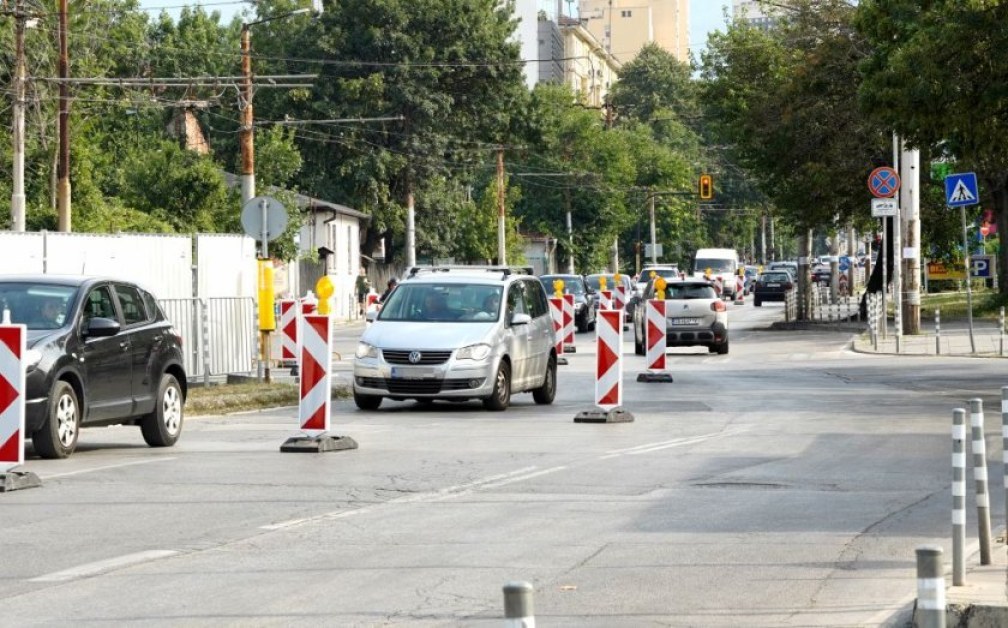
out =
column 961, row 189
column 844, row 264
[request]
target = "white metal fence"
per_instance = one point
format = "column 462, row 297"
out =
column 219, row 334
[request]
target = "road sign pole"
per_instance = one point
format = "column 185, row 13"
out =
column 885, row 276
column 969, row 278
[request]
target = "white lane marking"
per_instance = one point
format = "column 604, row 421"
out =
column 521, row 478
column 103, row 566
column 106, row 468
column 450, row 491
column 678, row 442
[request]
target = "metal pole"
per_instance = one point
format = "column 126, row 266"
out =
column 519, row 610
column 937, row 331
column 885, row 276
column 263, row 215
column 897, row 267
column 958, row 496
column 1001, row 332
column 501, row 243
column 1004, row 440
column 654, row 241
column 980, row 480
column 410, row 228
column 63, row 167
column 969, row 288
column 930, row 588
column 18, row 195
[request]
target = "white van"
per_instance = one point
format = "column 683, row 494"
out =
column 722, row 263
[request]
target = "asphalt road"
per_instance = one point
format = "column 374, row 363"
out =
column 785, row 484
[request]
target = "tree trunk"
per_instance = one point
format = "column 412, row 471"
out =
column 1000, row 194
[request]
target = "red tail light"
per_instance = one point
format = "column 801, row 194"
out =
column 788, row 286
column 718, row 306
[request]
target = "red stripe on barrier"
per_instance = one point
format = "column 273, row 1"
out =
column 311, row 373
column 316, row 421
column 12, row 338
column 8, row 394
column 611, row 398
column 606, row 359
column 10, row 450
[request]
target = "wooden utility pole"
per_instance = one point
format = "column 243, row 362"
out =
column 245, row 137
column 501, row 246
column 63, row 167
column 18, row 195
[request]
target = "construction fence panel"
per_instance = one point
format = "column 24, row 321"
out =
column 24, row 252
column 219, row 335
column 226, row 266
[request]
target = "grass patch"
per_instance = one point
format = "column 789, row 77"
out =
column 225, row 398
column 987, row 304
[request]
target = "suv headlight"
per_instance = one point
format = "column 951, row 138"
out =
column 473, row 352
column 364, row 350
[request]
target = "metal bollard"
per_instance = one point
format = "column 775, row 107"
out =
column 937, row 331
column 930, row 588
column 980, row 480
column 518, row 609
column 958, row 497
column 1001, row 332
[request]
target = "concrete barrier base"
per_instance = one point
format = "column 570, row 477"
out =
column 318, row 444
column 570, row 349
column 17, row 480
column 659, row 377
column 562, row 362
column 616, row 415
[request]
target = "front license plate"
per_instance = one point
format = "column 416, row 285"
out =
column 412, row 373
column 685, row 321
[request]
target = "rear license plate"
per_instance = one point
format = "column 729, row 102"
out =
column 773, row 285
column 412, row 373
column 685, row 321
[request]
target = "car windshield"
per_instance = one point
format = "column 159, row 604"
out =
column 688, row 291
column 443, row 302
column 37, row 305
column 594, row 283
column 667, row 273
column 572, row 285
column 776, row 277
column 716, row 265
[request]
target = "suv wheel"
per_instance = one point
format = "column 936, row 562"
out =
column 57, row 438
column 501, row 395
column 722, row 348
column 545, row 394
column 638, row 345
column 366, row 402
column 162, row 427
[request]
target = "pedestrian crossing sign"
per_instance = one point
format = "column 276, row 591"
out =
column 961, row 189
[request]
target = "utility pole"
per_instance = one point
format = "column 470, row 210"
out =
column 63, row 168
column 501, row 245
column 410, row 224
column 897, row 244
column 910, row 204
column 570, row 232
column 763, row 255
column 245, row 138
column 654, row 237
column 18, row 195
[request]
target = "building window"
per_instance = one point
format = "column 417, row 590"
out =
column 626, row 13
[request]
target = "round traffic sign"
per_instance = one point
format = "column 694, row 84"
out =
column 883, row 182
column 258, row 208
column 984, row 230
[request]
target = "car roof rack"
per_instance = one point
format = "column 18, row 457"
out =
column 441, row 268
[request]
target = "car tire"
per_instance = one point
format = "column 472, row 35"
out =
column 638, row 345
column 500, row 398
column 163, row 426
column 366, row 402
column 722, row 348
column 757, row 302
column 57, row 438
column 545, row 394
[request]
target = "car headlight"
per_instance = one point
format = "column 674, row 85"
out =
column 473, row 352
column 364, row 350
column 31, row 358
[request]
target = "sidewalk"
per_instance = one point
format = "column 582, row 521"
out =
column 988, row 343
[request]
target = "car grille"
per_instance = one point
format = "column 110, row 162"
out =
column 424, row 386
column 426, row 357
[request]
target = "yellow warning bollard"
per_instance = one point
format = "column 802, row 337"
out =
column 602, row 283
column 324, row 288
column 558, row 286
column 660, row 284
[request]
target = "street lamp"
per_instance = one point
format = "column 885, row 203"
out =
column 245, row 133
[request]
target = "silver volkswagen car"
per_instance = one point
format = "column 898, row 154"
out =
column 459, row 333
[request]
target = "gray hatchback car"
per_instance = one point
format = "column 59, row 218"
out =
column 459, row 333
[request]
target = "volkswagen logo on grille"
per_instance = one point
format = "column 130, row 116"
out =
column 414, row 357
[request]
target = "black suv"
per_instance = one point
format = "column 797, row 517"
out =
column 99, row 352
column 584, row 298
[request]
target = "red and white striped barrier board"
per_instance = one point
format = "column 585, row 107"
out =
column 288, row 330
column 568, row 320
column 316, row 374
column 619, row 297
column 605, row 300
column 12, row 402
column 556, row 312
column 717, row 286
column 739, row 289
column 609, row 362
column 655, row 336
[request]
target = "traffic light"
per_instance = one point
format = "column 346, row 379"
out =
column 706, row 187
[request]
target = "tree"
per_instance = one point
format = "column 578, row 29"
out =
column 937, row 76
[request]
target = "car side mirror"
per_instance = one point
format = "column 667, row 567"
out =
column 370, row 316
column 520, row 318
column 99, row 327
